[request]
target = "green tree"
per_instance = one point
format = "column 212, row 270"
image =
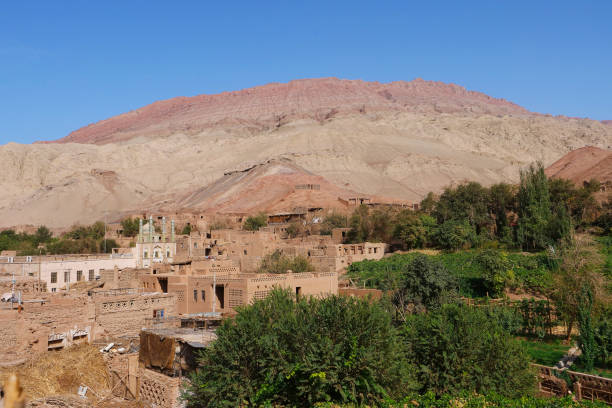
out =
column 254, row 223
column 467, row 202
column 428, row 204
column 42, row 235
column 534, row 209
column 602, row 334
column 586, row 340
column 186, row 229
column 333, row 220
column 424, row 283
column 410, row 230
column 457, row 348
column 497, row 271
column 130, row 227
column 286, row 352
column 501, row 202
column 577, row 270
column 360, row 225
column 454, row 235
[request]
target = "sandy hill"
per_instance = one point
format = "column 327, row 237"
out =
column 272, row 186
column 583, row 164
column 398, row 140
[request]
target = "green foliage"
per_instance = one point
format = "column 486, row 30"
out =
column 532, row 273
column 42, row 235
column 79, row 240
column 254, row 223
column 586, row 339
column 283, row 352
column 538, row 225
column 458, row 348
column 424, row 283
column 494, row 400
column 453, row 235
column 471, row 400
column 547, row 353
column 428, row 204
column 538, row 317
column 23, row 243
column 498, row 273
column 130, row 227
column 331, row 221
column 602, row 334
column 295, row 229
column 466, row 203
column 605, row 244
column 577, row 272
column 580, row 202
column 411, row 230
column 277, row 262
column 186, row 229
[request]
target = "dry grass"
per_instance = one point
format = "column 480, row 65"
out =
column 62, row 372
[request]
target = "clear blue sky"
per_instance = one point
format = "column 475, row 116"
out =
column 65, row 64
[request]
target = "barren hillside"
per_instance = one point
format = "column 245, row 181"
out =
column 583, row 164
column 397, row 140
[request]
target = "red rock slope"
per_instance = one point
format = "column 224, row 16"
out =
column 583, row 164
column 274, row 186
column 275, row 104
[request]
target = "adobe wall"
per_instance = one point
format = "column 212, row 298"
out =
column 60, row 321
column 117, row 316
column 159, row 389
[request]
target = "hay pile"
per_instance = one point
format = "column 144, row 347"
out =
column 62, row 372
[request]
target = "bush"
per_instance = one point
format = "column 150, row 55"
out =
column 453, row 235
column 283, row 352
column 130, row 227
column 497, row 271
column 331, row 221
column 186, row 229
column 459, row 348
column 424, row 283
column 254, row 223
column 279, row 263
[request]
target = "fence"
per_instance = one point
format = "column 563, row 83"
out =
column 555, row 382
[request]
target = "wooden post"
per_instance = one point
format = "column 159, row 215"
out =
column 577, row 391
column 13, row 393
column 133, row 377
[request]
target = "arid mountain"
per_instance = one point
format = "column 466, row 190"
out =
column 583, row 164
column 398, row 140
column 273, row 105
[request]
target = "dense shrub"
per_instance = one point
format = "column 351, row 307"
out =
column 130, row 227
column 458, row 348
column 279, row 351
column 498, row 273
column 424, row 283
column 454, row 235
column 277, row 262
column 532, row 273
column 254, row 223
column 602, row 332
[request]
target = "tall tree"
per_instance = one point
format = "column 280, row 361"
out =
column 533, row 201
